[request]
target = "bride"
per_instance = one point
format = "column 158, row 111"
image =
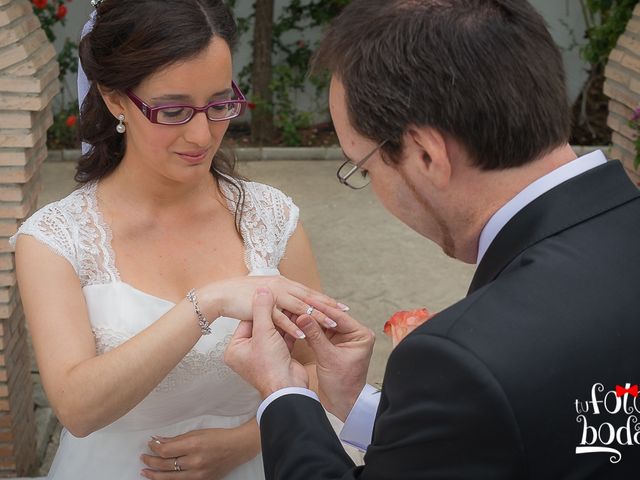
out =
column 134, row 283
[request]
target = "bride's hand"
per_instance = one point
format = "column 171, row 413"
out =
column 233, row 298
column 209, row 453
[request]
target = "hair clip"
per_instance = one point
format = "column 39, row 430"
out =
column 96, row 3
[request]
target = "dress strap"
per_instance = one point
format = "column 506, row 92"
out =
column 269, row 218
column 73, row 228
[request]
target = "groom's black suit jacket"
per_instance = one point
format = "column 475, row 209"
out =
column 487, row 389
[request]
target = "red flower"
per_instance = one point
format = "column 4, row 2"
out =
column 71, row 121
column 39, row 3
column 62, row 12
column 251, row 105
column 403, row 323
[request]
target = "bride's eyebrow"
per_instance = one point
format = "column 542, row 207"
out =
column 186, row 98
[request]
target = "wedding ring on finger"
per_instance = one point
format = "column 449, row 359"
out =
column 176, row 467
column 326, row 320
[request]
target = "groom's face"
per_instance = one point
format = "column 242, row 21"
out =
column 398, row 187
column 384, row 178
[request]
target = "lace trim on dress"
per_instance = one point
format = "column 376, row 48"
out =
column 49, row 226
column 191, row 367
column 269, row 219
column 104, row 231
column 73, row 228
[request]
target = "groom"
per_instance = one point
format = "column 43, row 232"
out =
column 458, row 112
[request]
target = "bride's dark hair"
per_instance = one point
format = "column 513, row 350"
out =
column 129, row 42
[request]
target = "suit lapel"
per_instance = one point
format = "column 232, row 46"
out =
column 570, row 203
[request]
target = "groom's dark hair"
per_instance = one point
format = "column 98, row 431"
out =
column 486, row 72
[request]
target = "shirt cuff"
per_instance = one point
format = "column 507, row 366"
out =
column 358, row 428
column 282, row 392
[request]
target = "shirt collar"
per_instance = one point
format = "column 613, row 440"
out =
column 533, row 191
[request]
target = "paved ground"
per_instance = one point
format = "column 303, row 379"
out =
column 367, row 258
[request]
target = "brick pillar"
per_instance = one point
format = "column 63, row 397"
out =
column 622, row 86
column 28, row 83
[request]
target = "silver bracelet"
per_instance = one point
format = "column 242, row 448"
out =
column 202, row 321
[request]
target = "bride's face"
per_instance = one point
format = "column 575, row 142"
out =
column 179, row 152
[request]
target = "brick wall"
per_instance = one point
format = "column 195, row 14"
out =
column 28, row 83
column 622, row 86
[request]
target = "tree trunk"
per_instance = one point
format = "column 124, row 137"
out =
column 262, row 115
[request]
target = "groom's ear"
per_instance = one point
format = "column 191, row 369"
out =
column 425, row 151
column 115, row 101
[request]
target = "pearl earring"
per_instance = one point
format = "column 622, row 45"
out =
column 121, row 127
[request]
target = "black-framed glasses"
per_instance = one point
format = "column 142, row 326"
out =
column 216, row 111
column 347, row 172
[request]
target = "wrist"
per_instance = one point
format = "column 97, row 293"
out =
column 341, row 402
column 343, row 409
column 210, row 303
column 246, row 440
column 272, row 387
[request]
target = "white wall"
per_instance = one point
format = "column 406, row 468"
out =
column 566, row 23
column 564, row 18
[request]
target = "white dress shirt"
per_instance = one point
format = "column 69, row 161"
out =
column 358, row 426
column 533, row 191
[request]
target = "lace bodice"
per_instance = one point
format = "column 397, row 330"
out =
column 74, row 228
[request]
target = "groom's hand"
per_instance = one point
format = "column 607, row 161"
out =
column 260, row 354
column 342, row 358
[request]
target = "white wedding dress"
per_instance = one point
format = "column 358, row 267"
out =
column 201, row 391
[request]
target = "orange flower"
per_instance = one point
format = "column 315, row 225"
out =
column 404, row 322
column 71, row 121
column 62, row 12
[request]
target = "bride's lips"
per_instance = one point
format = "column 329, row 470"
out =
column 194, row 157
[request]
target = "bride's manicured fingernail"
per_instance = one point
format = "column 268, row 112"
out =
column 343, row 307
column 300, row 334
column 156, row 439
column 330, row 323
